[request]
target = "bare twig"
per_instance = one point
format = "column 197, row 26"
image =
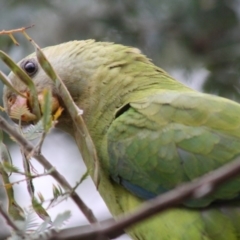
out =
column 196, row 189
column 10, row 33
column 28, row 176
column 30, row 149
column 6, row 32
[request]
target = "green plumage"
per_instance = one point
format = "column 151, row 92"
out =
column 151, row 133
column 169, row 138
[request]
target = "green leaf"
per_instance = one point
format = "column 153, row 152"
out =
column 33, row 100
column 41, row 197
column 45, row 64
column 57, row 191
column 84, row 176
column 4, row 153
column 14, row 209
column 5, row 80
column 8, row 167
column 47, row 110
column 39, row 209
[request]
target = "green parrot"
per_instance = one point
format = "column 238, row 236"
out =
column 151, row 133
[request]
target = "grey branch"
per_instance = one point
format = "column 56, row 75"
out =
column 198, row 188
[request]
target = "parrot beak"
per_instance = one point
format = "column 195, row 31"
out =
column 55, row 103
column 19, row 108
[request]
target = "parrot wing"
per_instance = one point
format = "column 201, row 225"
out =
column 171, row 137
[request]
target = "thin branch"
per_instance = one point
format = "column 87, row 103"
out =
column 10, row 222
column 30, row 149
column 10, row 33
column 6, row 32
column 28, row 176
column 86, row 232
column 198, row 188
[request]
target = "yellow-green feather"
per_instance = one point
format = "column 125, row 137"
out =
column 103, row 79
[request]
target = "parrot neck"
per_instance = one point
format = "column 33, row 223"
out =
column 108, row 95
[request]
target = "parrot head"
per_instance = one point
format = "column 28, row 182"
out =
column 73, row 64
column 101, row 77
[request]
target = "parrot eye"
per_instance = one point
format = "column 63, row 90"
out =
column 30, row 67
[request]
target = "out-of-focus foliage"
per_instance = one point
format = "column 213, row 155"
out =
column 179, row 34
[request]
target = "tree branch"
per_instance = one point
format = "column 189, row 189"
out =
column 198, row 188
column 10, row 33
column 30, row 149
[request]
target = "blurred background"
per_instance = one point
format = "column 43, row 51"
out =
column 197, row 42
